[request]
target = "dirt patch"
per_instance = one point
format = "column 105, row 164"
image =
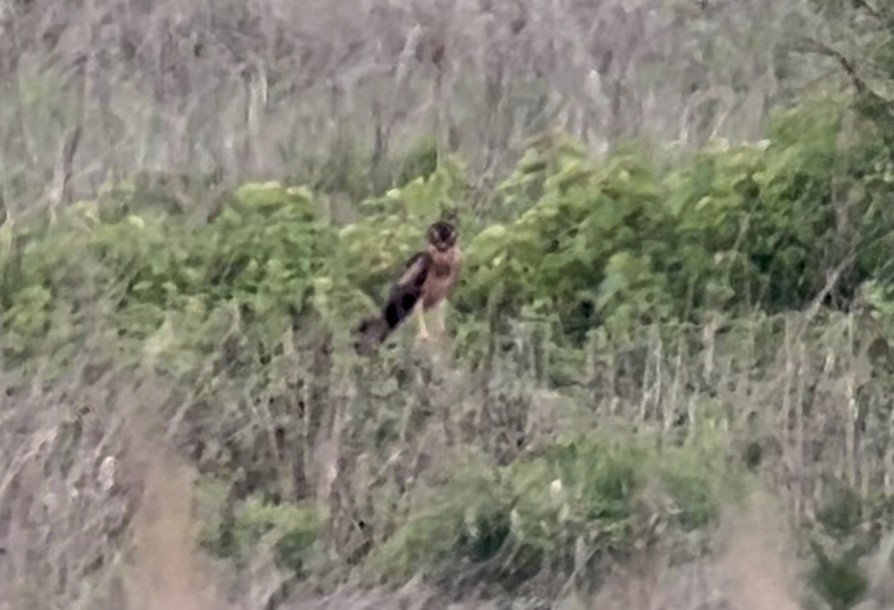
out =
column 167, row 572
column 754, row 570
column 757, row 565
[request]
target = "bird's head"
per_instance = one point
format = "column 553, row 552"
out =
column 442, row 235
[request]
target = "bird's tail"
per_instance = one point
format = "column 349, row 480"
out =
column 372, row 332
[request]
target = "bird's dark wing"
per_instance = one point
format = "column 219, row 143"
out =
column 402, row 298
column 411, row 262
column 407, row 290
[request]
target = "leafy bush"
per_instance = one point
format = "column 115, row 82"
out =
column 294, row 529
column 613, row 496
column 635, row 239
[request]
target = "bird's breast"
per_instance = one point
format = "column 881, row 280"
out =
column 441, row 269
column 438, row 285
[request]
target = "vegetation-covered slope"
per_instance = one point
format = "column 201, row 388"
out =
column 635, row 344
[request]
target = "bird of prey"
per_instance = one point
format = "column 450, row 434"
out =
column 428, row 280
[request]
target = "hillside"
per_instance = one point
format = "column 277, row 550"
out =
column 638, row 346
column 666, row 375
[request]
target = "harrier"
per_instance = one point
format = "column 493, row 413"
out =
column 428, row 280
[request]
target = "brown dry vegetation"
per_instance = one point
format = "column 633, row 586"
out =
column 332, row 91
column 175, row 443
column 94, row 457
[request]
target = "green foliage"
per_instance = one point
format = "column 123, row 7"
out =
column 420, row 161
column 466, row 519
column 261, row 257
column 692, row 477
column 264, row 251
column 628, row 241
column 293, row 530
column 839, row 582
column 612, row 495
column 837, row 545
column 575, row 256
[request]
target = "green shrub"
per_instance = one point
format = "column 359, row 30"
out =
column 632, row 240
column 294, row 529
column 467, row 519
column 530, row 515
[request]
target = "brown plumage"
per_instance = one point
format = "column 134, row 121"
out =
column 428, row 280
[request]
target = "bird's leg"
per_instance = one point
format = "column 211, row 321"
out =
column 440, row 314
column 420, row 321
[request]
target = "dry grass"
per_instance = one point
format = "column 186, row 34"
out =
column 333, row 91
column 168, row 572
column 96, row 496
column 96, row 503
column 753, row 572
column 758, row 560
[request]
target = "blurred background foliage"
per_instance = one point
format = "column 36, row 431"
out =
column 676, row 291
